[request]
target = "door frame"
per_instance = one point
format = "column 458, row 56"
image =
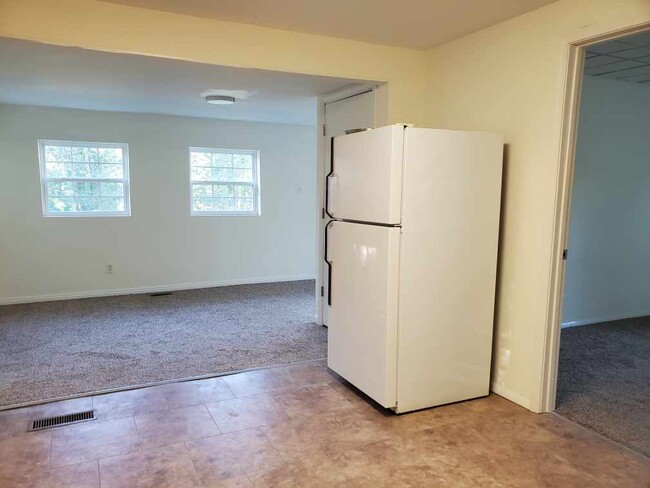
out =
column 380, row 95
column 569, row 133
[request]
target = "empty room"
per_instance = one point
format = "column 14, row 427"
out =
column 161, row 227
column 301, row 244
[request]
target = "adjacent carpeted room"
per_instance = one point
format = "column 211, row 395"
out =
column 603, row 380
column 64, row 348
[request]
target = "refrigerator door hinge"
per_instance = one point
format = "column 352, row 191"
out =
column 322, row 291
column 324, row 129
column 565, row 253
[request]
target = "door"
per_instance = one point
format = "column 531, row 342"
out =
column 362, row 334
column 365, row 183
column 353, row 112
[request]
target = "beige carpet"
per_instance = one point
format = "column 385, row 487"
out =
column 56, row 349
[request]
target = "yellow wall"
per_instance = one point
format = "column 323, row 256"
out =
column 110, row 27
column 510, row 79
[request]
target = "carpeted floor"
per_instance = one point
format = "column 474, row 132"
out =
column 55, row 349
column 604, row 380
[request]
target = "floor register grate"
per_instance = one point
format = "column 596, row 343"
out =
column 61, row 420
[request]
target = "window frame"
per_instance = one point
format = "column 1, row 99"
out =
column 125, row 180
column 257, row 193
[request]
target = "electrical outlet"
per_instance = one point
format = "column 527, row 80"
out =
column 109, row 268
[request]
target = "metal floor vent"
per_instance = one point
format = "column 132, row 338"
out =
column 161, row 294
column 61, row 420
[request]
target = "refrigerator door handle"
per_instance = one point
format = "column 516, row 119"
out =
column 331, row 189
column 329, row 225
column 330, row 177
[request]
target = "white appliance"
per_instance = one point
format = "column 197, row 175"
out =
column 412, row 255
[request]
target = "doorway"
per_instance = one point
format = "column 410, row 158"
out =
column 604, row 351
column 341, row 111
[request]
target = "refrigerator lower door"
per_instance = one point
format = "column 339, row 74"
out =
column 362, row 329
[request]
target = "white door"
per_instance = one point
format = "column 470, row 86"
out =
column 354, row 112
column 365, row 183
column 362, row 333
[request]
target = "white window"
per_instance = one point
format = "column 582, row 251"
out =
column 224, row 181
column 84, row 178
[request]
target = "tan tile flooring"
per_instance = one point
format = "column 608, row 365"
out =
column 300, row 426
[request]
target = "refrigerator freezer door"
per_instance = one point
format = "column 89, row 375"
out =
column 365, row 184
column 362, row 329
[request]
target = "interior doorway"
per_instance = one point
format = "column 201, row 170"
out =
column 604, row 350
column 161, row 219
column 341, row 111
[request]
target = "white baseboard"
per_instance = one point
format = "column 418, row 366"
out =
column 150, row 289
column 577, row 323
column 505, row 392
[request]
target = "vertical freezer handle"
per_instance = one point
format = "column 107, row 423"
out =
column 330, row 194
column 330, row 184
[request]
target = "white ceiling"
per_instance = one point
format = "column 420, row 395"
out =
column 409, row 23
column 624, row 59
column 54, row 76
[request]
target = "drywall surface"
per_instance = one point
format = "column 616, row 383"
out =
column 160, row 246
column 608, row 266
column 117, row 28
column 510, row 79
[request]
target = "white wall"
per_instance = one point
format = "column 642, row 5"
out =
column 608, row 269
column 160, row 245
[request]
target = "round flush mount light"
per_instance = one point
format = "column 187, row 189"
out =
column 220, row 99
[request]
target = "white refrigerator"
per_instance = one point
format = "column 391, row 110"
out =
column 412, row 257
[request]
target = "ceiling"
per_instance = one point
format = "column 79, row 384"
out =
column 624, row 59
column 409, row 23
column 54, row 76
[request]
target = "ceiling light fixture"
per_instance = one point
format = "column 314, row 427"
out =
column 220, row 99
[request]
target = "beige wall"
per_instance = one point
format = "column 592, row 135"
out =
column 510, row 79
column 117, row 28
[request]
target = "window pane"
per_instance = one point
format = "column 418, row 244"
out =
column 242, row 161
column 201, row 174
column 80, row 170
column 222, row 174
column 202, row 204
column 63, row 189
column 223, row 190
column 111, row 189
column 111, row 204
column 84, row 154
column 201, row 190
column 244, row 191
column 200, row 158
column 110, row 155
column 224, row 204
column 222, row 160
column 55, row 170
column 86, row 188
column 58, row 153
column 243, row 175
column 244, row 204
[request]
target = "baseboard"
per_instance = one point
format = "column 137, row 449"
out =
column 151, row 289
column 507, row 393
column 577, row 323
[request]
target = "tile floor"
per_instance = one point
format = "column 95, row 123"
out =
column 301, row 426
